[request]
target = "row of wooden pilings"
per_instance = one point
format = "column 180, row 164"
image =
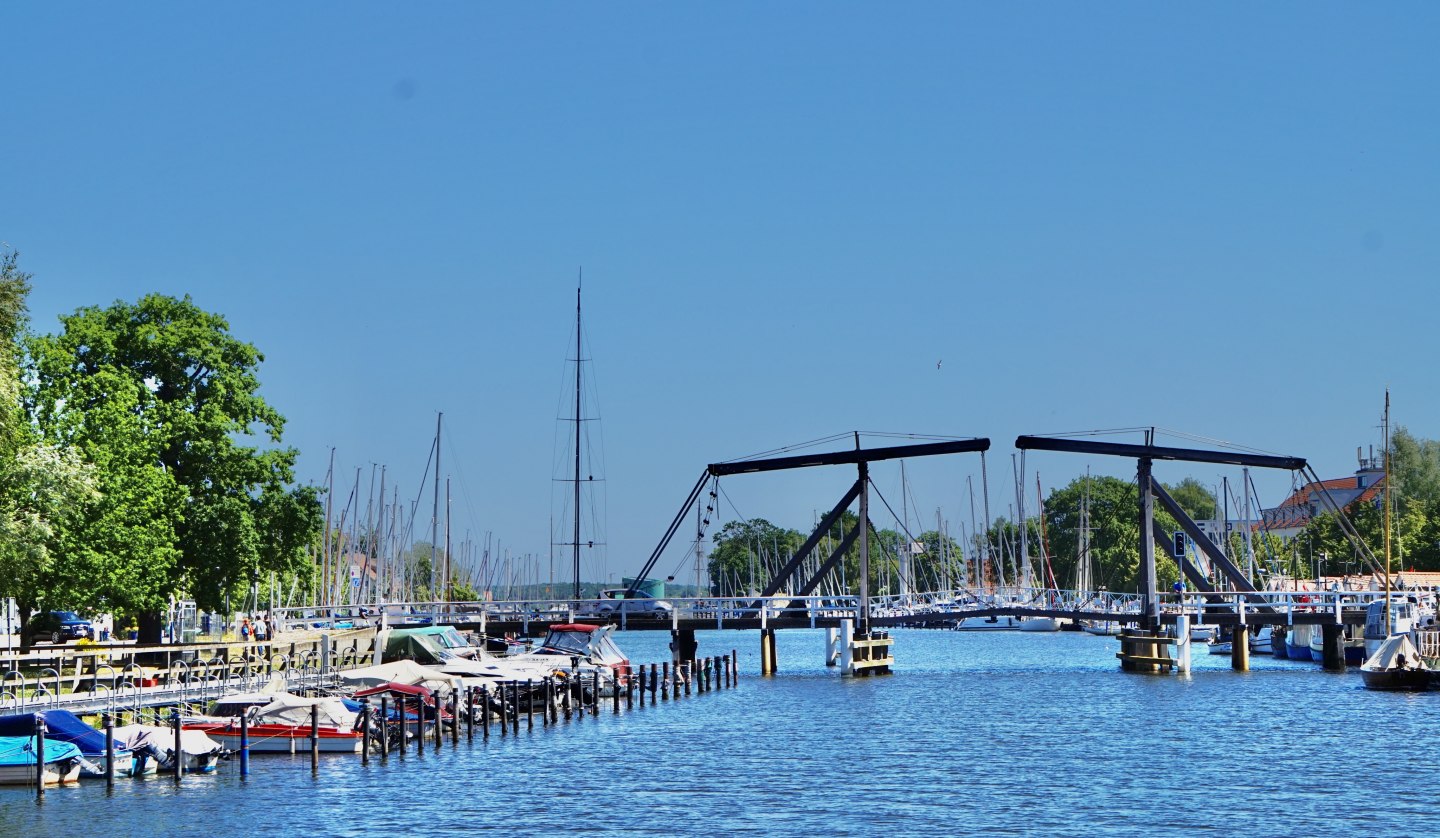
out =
column 569, row 699
column 573, row 698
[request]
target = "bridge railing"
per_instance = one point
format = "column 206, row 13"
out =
column 1199, row 605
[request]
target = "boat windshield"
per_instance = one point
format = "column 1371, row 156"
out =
column 568, row 643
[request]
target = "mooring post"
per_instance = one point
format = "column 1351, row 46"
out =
column 384, row 727
column 455, row 717
column 1240, row 649
column 39, row 756
column 1334, row 654
column 687, row 676
column 529, row 704
column 665, row 681
column 515, row 716
column 470, row 714
column 244, row 744
column 179, row 752
column 108, row 722
column 615, row 695
column 419, row 725
column 485, row 713
column 314, row 739
column 364, row 731
column 653, row 685
column 735, row 665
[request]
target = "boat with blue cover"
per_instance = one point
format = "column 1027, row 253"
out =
column 62, row 726
column 19, row 754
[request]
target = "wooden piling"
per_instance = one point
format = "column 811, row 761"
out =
column 653, row 683
column 244, row 744
column 1240, row 649
column 39, row 756
column 485, row 713
column 1334, row 656
column 470, row 714
column 314, row 741
column 529, row 704
column 179, row 752
column 364, row 731
column 384, row 728
column 515, row 716
column 455, row 717
column 419, row 726
column 108, row 722
column 665, row 681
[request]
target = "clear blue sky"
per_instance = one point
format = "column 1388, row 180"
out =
column 786, row 217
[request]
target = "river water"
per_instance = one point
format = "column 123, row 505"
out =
column 991, row 733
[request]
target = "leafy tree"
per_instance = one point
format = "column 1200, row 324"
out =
column 1414, row 469
column 165, row 400
column 1114, row 533
column 1197, row 501
column 743, row 546
column 43, row 487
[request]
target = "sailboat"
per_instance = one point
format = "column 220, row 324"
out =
column 1396, row 664
column 1085, row 568
column 1028, row 582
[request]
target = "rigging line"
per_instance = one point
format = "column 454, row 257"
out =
column 783, row 449
column 1097, row 432
column 1233, row 446
column 899, row 435
column 903, row 527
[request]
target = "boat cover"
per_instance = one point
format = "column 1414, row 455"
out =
column 289, row 709
column 162, row 739
column 60, row 726
column 20, row 750
column 399, row 672
column 1388, row 656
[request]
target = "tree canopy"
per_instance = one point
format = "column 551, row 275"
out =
column 165, row 403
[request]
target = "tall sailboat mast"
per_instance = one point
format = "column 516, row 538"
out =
column 578, row 357
column 1388, row 501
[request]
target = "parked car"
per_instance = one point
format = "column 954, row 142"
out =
column 614, row 602
column 58, row 627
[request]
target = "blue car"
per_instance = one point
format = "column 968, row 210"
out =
column 58, row 627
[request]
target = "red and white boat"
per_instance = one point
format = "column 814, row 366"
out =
column 281, row 724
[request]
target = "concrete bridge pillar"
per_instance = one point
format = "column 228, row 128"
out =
column 831, row 650
column 1334, row 656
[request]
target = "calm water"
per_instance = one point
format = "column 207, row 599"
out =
column 1002, row 733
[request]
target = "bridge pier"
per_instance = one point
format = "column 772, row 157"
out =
column 1182, row 644
column 1334, row 656
column 832, row 652
column 1144, row 651
column 1240, row 648
column 769, row 665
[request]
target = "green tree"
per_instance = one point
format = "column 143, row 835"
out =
column 1414, row 469
column 1114, row 533
column 741, row 547
column 190, row 392
column 1197, row 501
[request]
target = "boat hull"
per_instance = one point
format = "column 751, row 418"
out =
column 67, row 771
column 1039, row 624
column 282, row 739
column 1397, row 680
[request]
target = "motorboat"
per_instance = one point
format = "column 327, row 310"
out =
column 64, row 726
column 1297, row 642
column 579, row 646
column 154, row 748
column 19, row 754
column 1039, row 624
column 1103, row 628
column 1397, row 665
column 282, row 724
column 989, row 624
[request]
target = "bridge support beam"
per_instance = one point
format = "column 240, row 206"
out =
column 832, row 651
column 1240, row 648
column 1334, row 656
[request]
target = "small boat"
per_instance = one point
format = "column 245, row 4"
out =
column 18, row 757
column 64, row 726
column 1278, row 644
column 989, row 624
column 1105, row 628
column 1202, row 634
column 1397, row 665
column 282, row 725
column 1297, row 643
column 1039, row 624
column 154, row 747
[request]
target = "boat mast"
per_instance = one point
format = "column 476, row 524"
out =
column 578, row 356
column 435, row 513
column 985, row 542
column 1386, row 426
